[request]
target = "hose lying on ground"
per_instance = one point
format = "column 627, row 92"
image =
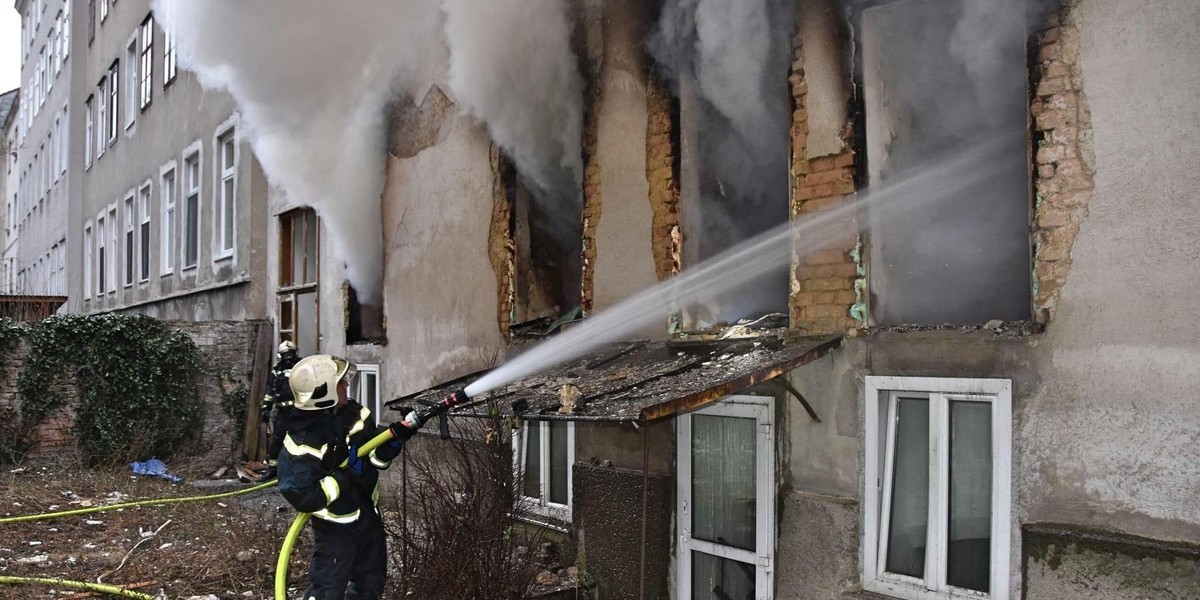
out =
column 87, row 586
column 150, row 502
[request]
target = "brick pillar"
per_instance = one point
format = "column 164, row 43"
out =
column 662, row 174
column 1064, row 180
column 826, row 285
column 501, row 246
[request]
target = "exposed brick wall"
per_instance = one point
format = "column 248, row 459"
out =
column 1063, row 183
column 501, row 246
column 227, row 356
column 662, row 174
column 592, row 196
column 823, row 284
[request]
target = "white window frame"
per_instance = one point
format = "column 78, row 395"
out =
column 196, row 149
column 112, row 241
column 762, row 410
column 114, row 101
column 101, row 116
column 101, row 245
column 542, row 506
column 87, row 260
column 369, row 369
column 132, row 79
column 170, row 217
column 221, row 204
column 104, row 10
column 129, row 241
column 146, row 62
column 169, row 65
column 65, row 36
column 145, row 231
column 881, row 394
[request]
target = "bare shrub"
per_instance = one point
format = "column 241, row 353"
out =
column 457, row 536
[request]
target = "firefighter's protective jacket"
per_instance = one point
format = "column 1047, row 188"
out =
column 315, row 445
column 279, row 393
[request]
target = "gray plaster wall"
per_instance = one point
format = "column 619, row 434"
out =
column 1111, row 438
column 440, row 292
column 181, row 118
column 816, row 546
column 1065, row 562
column 624, row 260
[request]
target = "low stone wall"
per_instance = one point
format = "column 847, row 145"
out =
column 227, row 363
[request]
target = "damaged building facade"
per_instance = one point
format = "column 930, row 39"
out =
column 975, row 399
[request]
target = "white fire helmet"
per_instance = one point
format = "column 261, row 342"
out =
column 314, row 381
column 286, row 346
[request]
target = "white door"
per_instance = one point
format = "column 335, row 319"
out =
column 726, row 507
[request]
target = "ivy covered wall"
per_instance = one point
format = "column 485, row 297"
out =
column 114, row 388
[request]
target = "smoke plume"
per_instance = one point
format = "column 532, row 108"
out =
column 513, row 68
column 734, row 57
column 311, row 79
column 937, row 74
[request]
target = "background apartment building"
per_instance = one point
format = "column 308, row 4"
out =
column 39, row 217
column 173, row 205
column 8, row 191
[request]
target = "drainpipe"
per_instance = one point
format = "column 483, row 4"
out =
column 645, row 506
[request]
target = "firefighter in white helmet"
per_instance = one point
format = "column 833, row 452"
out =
column 279, row 397
column 349, row 557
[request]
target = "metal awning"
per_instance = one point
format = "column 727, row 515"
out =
column 642, row 380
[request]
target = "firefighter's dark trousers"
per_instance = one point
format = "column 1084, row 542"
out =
column 278, row 430
column 349, row 561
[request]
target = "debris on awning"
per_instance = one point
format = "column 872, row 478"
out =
column 642, row 380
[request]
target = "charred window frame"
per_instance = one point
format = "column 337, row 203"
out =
column 545, row 286
column 299, row 280
column 1018, row 309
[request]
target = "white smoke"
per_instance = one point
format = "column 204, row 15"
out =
column 512, row 67
column 311, row 79
column 734, row 56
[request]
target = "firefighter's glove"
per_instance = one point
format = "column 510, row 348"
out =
column 355, row 463
column 265, row 416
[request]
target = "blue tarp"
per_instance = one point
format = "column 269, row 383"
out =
column 154, row 468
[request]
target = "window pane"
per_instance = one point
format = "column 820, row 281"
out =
column 227, row 198
column 558, row 462
column 285, row 314
column 306, row 324
column 227, row 152
column 297, row 251
column 533, row 460
column 910, row 489
column 145, row 250
column 970, row 529
column 715, row 578
column 310, row 246
column 369, row 395
column 723, row 466
column 191, row 239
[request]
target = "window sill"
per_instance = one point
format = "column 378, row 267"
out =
column 223, row 257
column 542, row 521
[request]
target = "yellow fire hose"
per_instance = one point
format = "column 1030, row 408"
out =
column 281, row 566
column 151, row 502
column 86, row 586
